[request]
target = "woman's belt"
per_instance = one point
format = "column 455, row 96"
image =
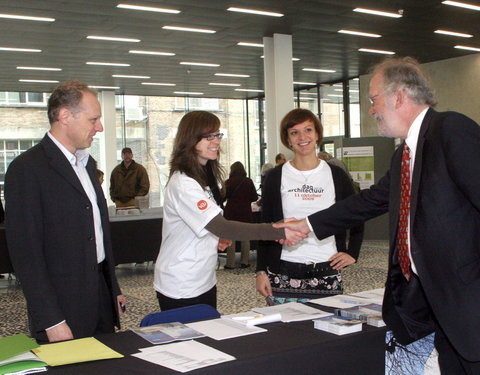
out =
column 305, row 271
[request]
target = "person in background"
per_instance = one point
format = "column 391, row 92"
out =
column 240, row 192
column 303, row 185
column 431, row 193
column 101, row 176
column 280, row 159
column 57, row 225
column 193, row 225
column 128, row 180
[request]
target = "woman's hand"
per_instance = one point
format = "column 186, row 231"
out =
column 341, row 260
column 223, row 244
column 263, row 285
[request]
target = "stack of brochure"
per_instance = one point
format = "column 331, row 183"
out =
column 338, row 325
column 167, row 332
column 371, row 314
column 15, row 356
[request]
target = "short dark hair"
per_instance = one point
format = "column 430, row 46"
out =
column 126, row 150
column 406, row 73
column 279, row 156
column 67, row 94
column 295, row 117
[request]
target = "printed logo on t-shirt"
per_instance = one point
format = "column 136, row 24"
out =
column 307, row 192
column 202, row 205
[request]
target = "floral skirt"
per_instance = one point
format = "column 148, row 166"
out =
column 286, row 289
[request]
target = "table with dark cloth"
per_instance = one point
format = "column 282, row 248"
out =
column 286, row 349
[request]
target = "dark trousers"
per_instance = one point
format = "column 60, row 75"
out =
column 106, row 309
column 451, row 363
column 167, row 303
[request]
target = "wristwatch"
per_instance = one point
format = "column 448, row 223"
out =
column 258, row 273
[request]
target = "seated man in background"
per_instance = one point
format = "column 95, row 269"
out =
column 128, row 180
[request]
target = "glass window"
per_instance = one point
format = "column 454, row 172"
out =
column 331, row 107
column 354, row 93
column 9, row 97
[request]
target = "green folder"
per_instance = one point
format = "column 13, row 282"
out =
column 16, row 344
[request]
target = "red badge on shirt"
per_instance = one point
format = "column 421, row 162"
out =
column 202, row 205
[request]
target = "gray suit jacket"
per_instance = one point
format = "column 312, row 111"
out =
column 51, row 240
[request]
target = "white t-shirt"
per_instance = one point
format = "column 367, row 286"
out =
column 185, row 267
column 304, row 193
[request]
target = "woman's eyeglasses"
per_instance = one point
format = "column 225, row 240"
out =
column 211, row 137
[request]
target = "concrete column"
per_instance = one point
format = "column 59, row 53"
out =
column 278, row 75
column 108, row 139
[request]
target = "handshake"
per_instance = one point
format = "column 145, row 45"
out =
column 295, row 230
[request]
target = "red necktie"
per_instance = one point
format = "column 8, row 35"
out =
column 402, row 236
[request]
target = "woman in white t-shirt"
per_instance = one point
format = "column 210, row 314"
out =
column 192, row 218
column 298, row 188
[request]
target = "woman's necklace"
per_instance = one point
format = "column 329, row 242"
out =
column 305, row 173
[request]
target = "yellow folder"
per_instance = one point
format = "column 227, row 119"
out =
column 75, row 351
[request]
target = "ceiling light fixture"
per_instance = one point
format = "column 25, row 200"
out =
column 369, row 50
column 378, row 12
column 232, row 75
column 453, row 33
column 254, row 11
column 198, row 64
column 105, row 63
column 461, row 5
column 476, row 49
column 359, row 33
column 158, row 84
column 187, row 93
column 335, row 95
column 129, row 76
column 140, row 52
column 249, row 90
column 293, row 58
column 224, row 84
column 37, row 81
column 304, row 98
column 38, row 68
column 113, row 39
column 148, row 9
column 247, row 44
column 319, row 70
column 104, row 87
column 304, row 83
column 26, row 18
column 12, row 49
column 190, row 29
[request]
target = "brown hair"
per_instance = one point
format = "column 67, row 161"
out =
column 237, row 169
column 295, row 117
column 193, row 126
column 67, row 94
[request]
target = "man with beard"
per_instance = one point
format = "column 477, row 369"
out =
column 431, row 193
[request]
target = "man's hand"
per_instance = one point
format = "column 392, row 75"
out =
column 121, row 304
column 59, row 333
column 295, row 231
column 223, row 244
column 263, row 285
column 341, row 260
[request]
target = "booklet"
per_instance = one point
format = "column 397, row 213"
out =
column 167, row 332
column 371, row 314
column 292, row 311
column 25, row 363
column 338, row 325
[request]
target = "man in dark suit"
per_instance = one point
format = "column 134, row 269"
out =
column 57, row 225
column 435, row 287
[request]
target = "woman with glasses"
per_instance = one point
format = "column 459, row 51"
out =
column 193, row 225
column 297, row 188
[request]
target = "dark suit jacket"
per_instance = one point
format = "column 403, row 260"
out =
column 51, row 240
column 444, row 233
column 269, row 252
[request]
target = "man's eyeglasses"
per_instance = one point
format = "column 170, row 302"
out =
column 372, row 99
column 211, row 137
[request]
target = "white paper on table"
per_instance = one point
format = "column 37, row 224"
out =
column 251, row 318
column 343, row 301
column 183, row 356
column 221, row 329
column 292, row 311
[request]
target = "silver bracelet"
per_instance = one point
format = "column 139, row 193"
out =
column 258, row 273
